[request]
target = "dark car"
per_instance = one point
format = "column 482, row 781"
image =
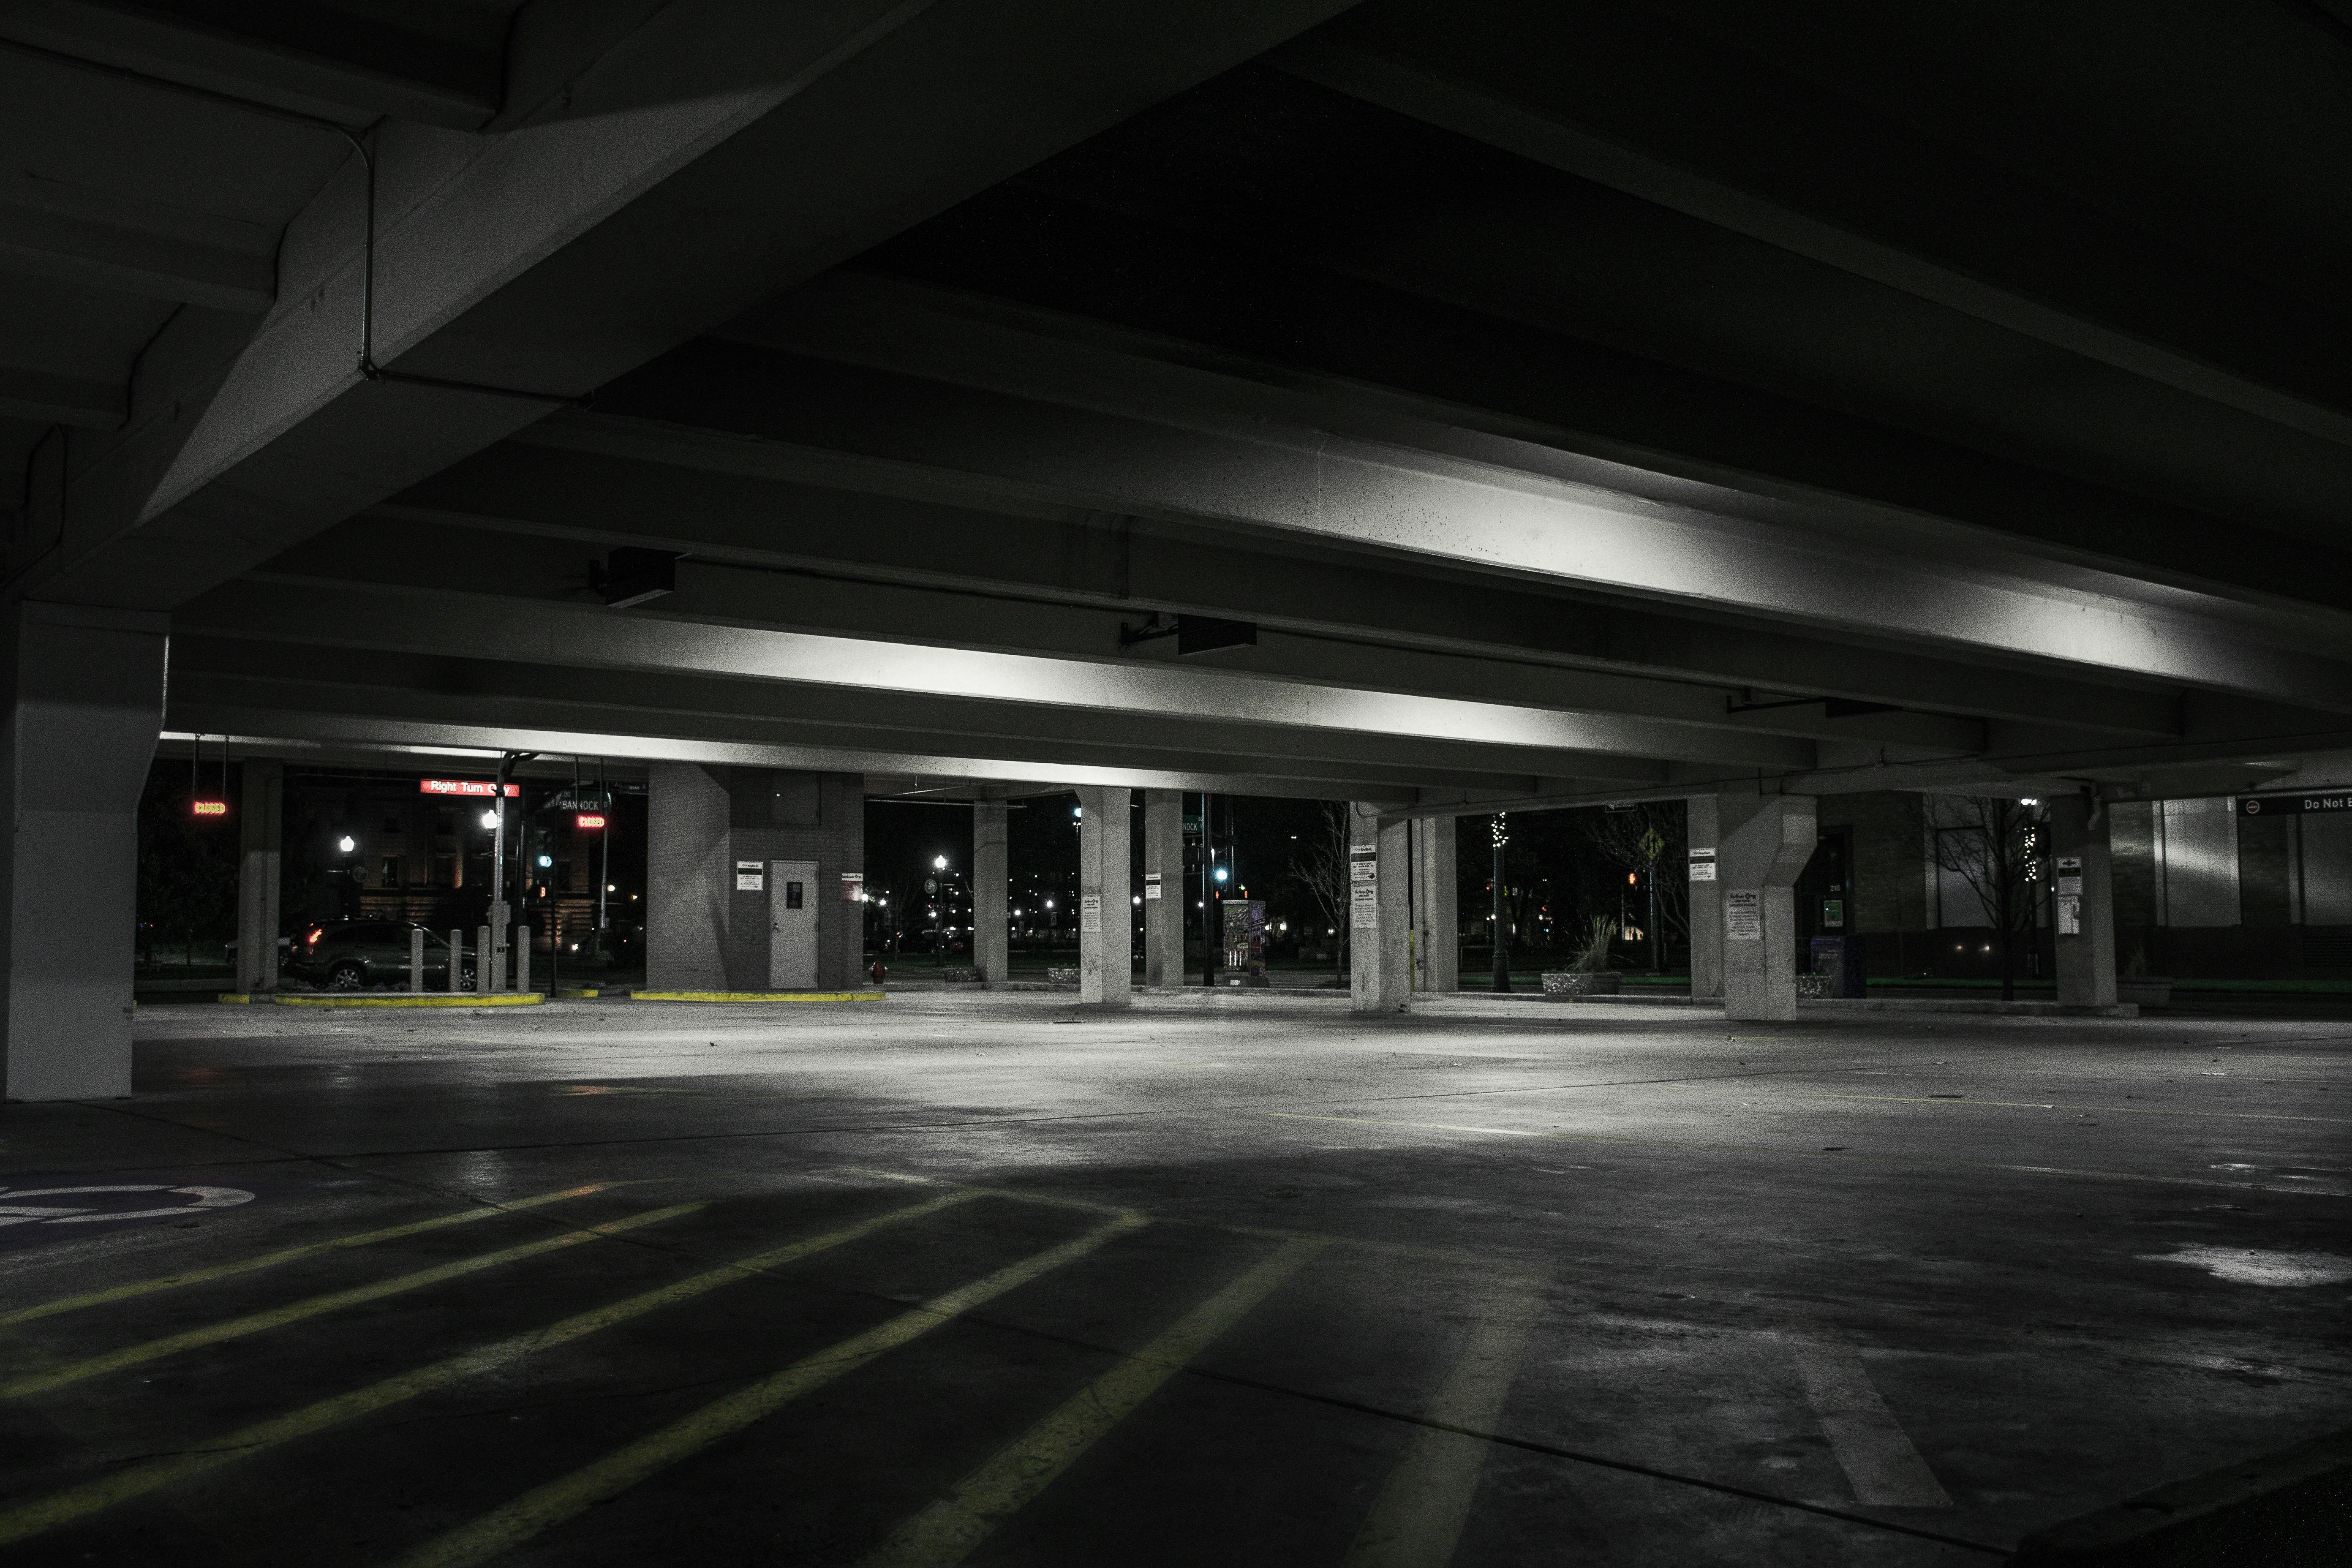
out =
column 351, row 955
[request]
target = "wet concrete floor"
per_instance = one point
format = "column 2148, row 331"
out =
column 1229, row 1280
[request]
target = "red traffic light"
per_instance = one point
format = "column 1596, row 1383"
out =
column 588, row 820
column 208, row 808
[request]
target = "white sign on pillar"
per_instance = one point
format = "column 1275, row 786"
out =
column 1090, row 915
column 1702, row 865
column 1364, row 886
column 1743, row 916
column 1152, row 884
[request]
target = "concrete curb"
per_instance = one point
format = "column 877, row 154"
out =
column 415, row 999
column 2288, row 1508
column 1960, row 1005
column 755, row 996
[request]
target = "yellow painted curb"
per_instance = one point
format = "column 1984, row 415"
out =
column 415, row 999
column 233, row 996
column 590, row 990
column 757, row 995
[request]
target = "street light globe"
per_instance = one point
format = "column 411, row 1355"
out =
column 489, row 819
column 347, row 843
column 1220, row 873
column 1049, row 903
column 938, row 863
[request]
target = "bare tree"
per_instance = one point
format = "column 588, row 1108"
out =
column 1652, row 840
column 1320, row 863
column 1995, row 847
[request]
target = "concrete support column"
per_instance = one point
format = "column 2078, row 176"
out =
column 1703, row 824
column 1379, row 910
column 261, row 829
column 1105, row 920
column 992, row 879
column 1761, row 849
column 81, row 697
column 1163, row 886
column 1436, row 908
column 2083, row 901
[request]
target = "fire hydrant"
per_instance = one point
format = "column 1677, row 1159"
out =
column 877, row 972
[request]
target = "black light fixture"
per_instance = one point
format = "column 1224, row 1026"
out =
column 631, row 574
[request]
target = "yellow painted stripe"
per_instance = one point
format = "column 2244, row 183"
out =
column 756, row 995
column 1418, row 1516
column 289, row 1255
column 316, row 1306
column 420, row 999
column 946, row 1532
column 77, row 1502
column 503, row 1528
column 2097, row 1110
column 1825, row 1154
column 235, row 996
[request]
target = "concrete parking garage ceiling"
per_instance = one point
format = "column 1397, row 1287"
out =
column 1582, row 402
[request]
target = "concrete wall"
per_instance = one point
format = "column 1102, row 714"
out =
column 701, row 933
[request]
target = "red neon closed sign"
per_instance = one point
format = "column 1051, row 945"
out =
column 589, row 819
column 209, row 807
column 464, row 786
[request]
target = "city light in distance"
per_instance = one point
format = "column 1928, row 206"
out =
column 347, row 843
column 939, row 863
column 489, row 819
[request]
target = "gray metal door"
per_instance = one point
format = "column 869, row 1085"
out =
column 791, row 925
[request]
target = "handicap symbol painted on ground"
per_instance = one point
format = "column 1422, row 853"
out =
column 64, row 1208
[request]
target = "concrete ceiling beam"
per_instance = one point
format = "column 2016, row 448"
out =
column 103, row 252
column 732, row 406
column 590, row 501
column 718, row 150
column 524, row 632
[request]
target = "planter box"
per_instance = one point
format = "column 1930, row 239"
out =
column 1816, row 986
column 1568, row 984
column 961, row 974
column 2148, row 991
column 1061, row 976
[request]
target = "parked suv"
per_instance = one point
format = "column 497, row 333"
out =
column 351, row 955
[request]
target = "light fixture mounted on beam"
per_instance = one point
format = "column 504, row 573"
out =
column 1193, row 634
column 631, row 574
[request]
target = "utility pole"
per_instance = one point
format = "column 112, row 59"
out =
column 1502, row 927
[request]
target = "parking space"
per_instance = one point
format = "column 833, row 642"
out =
column 995, row 1280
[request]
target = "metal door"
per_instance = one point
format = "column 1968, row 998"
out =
column 791, row 925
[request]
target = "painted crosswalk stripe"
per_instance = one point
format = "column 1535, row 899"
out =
column 1418, row 1517
column 1880, row 1464
column 77, row 1502
column 290, row 1255
column 507, row 1526
column 318, row 1306
column 946, row 1532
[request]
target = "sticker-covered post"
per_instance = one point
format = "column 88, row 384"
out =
column 2081, row 901
column 1378, row 912
column 1761, row 846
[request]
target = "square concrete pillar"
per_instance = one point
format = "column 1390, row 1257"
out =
column 724, row 846
column 1436, row 908
column 2083, row 901
column 1105, row 920
column 1762, row 845
column 261, row 829
column 81, row 698
column 1163, row 886
column 992, row 878
column 1705, row 898
column 1379, row 910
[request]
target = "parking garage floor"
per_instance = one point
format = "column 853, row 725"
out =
column 1234, row 1280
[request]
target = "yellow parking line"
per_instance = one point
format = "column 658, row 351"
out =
column 1417, row 1519
column 289, row 1254
column 945, row 1533
column 509, row 1526
column 76, row 1502
column 316, row 1306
